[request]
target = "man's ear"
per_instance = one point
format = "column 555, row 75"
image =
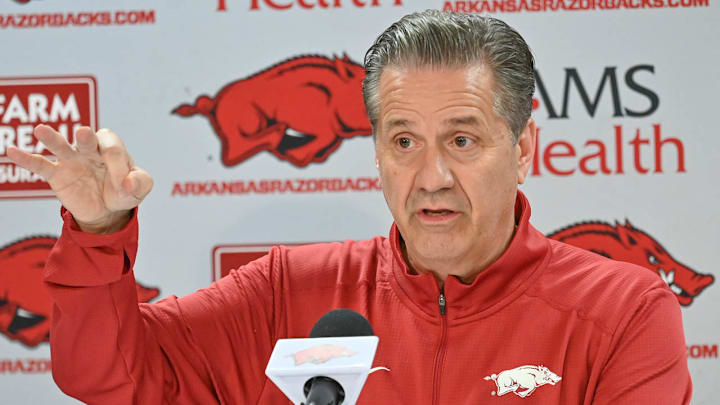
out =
column 525, row 149
column 377, row 166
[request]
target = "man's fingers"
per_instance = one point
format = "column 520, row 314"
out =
column 86, row 141
column 138, row 183
column 115, row 156
column 35, row 163
column 54, row 142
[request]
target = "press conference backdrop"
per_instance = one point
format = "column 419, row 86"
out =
column 627, row 106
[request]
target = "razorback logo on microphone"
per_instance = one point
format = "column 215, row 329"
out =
column 300, row 110
column 25, row 305
column 321, row 354
column 63, row 102
column 630, row 244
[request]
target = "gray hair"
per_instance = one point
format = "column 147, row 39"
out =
column 438, row 39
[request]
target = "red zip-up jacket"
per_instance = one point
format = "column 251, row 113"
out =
column 546, row 323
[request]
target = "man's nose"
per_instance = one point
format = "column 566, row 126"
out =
column 434, row 174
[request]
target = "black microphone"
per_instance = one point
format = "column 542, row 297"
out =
column 322, row 390
column 341, row 323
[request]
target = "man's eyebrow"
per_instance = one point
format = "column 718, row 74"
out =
column 468, row 120
column 396, row 123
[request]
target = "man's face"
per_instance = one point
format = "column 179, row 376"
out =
column 448, row 166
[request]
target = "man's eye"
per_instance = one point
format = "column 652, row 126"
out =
column 462, row 141
column 404, row 142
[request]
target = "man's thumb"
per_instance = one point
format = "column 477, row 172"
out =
column 138, row 183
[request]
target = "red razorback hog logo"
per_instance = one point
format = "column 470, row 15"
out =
column 321, row 354
column 629, row 244
column 299, row 110
column 25, row 306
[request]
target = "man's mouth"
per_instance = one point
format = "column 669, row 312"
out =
column 437, row 213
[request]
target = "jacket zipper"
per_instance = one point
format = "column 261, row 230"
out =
column 440, row 356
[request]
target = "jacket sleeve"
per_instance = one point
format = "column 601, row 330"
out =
column 648, row 364
column 209, row 347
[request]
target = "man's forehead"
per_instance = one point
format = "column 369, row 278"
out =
column 475, row 72
column 396, row 84
column 462, row 94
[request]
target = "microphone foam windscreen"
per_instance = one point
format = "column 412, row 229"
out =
column 341, row 323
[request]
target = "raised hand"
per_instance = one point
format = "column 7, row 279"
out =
column 96, row 180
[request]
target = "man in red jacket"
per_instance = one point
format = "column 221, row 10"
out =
column 472, row 304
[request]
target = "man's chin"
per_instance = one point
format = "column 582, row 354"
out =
column 437, row 250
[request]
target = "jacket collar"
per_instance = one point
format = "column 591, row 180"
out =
column 501, row 282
